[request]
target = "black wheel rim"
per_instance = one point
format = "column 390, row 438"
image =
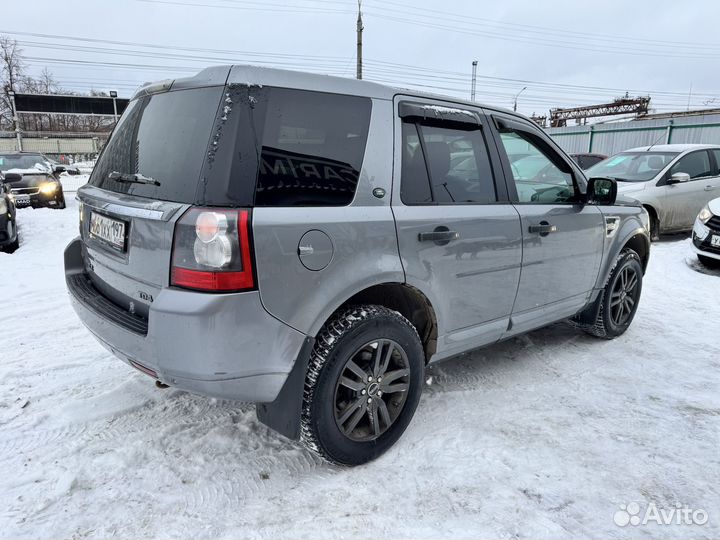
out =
column 623, row 298
column 372, row 389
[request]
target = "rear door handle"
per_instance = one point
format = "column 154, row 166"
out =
column 543, row 228
column 438, row 236
column 709, row 188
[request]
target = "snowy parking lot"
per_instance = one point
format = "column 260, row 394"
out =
column 543, row 436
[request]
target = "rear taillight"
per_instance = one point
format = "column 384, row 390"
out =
column 212, row 251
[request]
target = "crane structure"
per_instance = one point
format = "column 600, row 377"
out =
column 623, row 105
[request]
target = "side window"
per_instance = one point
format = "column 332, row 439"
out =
column 445, row 165
column 696, row 165
column 312, row 148
column 537, row 178
column 414, row 181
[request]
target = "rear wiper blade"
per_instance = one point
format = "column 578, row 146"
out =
column 132, row 178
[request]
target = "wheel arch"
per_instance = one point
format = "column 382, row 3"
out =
column 410, row 302
column 654, row 215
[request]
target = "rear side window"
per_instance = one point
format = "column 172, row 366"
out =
column 312, row 148
column 442, row 164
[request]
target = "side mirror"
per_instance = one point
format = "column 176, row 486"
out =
column 59, row 169
column 12, row 177
column 679, row 178
column 601, row 191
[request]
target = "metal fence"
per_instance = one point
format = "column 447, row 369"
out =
column 75, row 146
column 612, row 138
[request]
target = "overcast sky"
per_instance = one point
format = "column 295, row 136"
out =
column 566, row 53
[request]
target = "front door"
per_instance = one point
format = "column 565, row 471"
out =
column 459, row 236
column 562, row 237
column 683, row 201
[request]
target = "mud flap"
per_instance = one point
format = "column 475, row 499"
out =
column 283, row 414
column 589, row 314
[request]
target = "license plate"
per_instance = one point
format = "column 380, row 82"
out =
column 715, row 241
column 108, row 230
column 22, row 200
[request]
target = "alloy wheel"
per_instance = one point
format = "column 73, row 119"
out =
column 371, row 391
column 624, row 296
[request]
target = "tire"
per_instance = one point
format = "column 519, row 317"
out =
column 608, row 324
column 329, row 406
column 61, row 203
column 709, row 262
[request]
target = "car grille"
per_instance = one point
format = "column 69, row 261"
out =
column 26, row 191
column 84, row 290
column 714, row 223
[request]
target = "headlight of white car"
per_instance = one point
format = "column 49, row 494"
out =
column 705, row 214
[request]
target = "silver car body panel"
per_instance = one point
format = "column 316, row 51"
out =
column 676, row 205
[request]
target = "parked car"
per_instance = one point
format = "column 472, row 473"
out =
column 587, row 160
column 706, row 234
column 34, row 180
column 9, row 240
column 284, row 266
column 672, row 181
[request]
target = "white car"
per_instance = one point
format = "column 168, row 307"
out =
column 672, row 181
column 706, row 234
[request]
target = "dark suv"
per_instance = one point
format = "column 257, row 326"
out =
column 310, row 243
column 34, row 179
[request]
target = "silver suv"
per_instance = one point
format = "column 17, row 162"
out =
column 311, row 243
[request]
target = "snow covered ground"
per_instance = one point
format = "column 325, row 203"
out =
column 544, row 436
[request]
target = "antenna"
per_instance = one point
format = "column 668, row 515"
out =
column 656, row 141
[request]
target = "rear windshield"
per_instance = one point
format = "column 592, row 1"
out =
column 163, row 137
column 240, row 145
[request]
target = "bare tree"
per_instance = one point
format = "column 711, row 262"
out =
column 12, row 74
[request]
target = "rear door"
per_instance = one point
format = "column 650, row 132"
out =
column 683, row 201
column 459, row 236
column 127, row 227
column 562, row 238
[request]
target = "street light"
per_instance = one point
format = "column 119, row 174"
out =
column 113, row 95
column 518, row 95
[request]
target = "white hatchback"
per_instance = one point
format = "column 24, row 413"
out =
column 706, row 234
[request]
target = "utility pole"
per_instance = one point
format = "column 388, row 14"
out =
column 359, row 40
column 517, row 96
column 16, row 120
column 474, row 79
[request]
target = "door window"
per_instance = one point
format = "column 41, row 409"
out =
column 537, row 178
column 445, row 165
column 697, row 165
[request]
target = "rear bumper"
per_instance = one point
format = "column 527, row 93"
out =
column 219, row 345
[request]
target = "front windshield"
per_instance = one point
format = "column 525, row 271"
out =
column 632, row 166
column 23, row 162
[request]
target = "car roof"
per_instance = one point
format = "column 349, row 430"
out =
column 672, row 147
column 300, row 80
